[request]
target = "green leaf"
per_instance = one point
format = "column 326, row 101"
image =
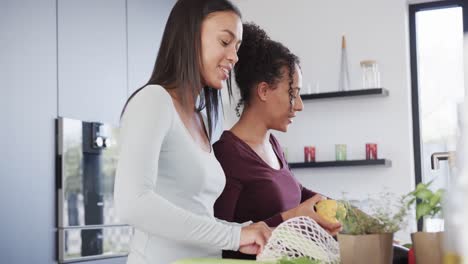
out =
column 424, row 194
column 421, row 186
column 422, row 209
column 436, row 210
column 408, row 245
column 435, row 199
column 303, row 260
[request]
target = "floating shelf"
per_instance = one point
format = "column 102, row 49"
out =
column 375, row 92
column 345, row 163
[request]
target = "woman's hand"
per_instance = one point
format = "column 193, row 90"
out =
column 307, row 209
column 253, row 238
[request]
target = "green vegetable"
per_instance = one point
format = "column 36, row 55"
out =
column 386, row 215
column 303, row 260
column 213, row 261
column 357, row 222
column 219, row 261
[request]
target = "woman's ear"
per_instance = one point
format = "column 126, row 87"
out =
column 263, row 89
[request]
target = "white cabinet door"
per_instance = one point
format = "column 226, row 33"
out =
column 28, row 105
column 92, row 59
column 146, row 22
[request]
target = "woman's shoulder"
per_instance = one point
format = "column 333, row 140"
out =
column 155, row 93
column 226, row 141
column 228, row 152
column 149, row 103
column 228, row 146
column 150, row 97
column 232, row 149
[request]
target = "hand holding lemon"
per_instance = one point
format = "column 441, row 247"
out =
column 308, row 208
column 331, row 210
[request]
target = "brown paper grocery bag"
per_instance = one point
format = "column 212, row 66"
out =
column 428, row 248
column 366, row 249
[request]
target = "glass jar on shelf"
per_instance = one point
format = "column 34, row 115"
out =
column 370, row 74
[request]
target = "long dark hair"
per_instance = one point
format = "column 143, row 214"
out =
column 178, row 64
column 261, row 60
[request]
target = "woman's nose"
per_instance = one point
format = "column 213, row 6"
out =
column 232, row 56
column 298, row 104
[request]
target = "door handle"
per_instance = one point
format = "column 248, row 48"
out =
column 436, row 157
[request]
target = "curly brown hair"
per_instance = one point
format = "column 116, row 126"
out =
column 261, row 60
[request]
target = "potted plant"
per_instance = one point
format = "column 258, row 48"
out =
column 427, row 245
column 367, row 235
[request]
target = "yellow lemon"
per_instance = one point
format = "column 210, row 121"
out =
column 331, row 210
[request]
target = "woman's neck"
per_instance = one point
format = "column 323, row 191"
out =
column 251, row 128
column 186, row 104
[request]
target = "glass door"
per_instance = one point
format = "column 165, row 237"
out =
column 436, row 33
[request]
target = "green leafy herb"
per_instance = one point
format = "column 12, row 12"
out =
column 387, row 215
column 303, row 260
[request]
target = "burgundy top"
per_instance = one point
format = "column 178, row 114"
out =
column 254, row 191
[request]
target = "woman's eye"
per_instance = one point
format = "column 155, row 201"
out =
column 224, row 43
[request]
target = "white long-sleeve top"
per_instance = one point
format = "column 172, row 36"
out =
column 166, row 185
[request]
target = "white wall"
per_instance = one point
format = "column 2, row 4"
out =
column 73, row 60
column 374, row 30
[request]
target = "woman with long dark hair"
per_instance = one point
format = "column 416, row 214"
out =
column 168, row 177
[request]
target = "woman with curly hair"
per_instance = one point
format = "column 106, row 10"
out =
column 259, row 184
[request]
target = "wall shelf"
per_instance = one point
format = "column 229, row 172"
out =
column 345, row 163
column 375, row 92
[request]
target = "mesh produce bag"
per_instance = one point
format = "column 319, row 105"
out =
column 301, row 237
